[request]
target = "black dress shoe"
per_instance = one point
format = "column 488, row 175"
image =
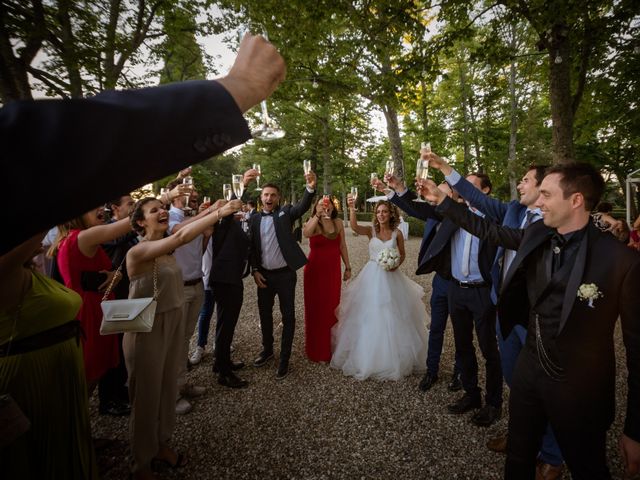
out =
column 455, row 385
column 234, row 366
column 464, row 404
column 231, row 380
column 115, row 409
column 486, row 416
column 427, row 381
column 283, row 371
column 262, row 359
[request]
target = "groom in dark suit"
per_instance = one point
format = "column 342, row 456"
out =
column 572, row 282
column 275, row 257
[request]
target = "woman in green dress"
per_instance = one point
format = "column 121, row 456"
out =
column 42, row 371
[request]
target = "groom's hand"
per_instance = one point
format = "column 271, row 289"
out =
column 429, row 190
column 261, row 282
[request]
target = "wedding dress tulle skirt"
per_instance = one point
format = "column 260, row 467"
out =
column 381, row 330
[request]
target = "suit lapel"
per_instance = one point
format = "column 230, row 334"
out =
column 536, row 238
column 577, row 272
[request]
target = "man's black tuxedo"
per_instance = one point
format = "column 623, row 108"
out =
column 230, row 254
column 282, row 281
column 283, row 219
column 581, row 407
column 107, row 145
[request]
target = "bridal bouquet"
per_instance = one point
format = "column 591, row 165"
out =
column 389, row 258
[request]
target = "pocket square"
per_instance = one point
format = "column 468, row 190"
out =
column 280, row 214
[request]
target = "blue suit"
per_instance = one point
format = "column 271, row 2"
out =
column 439, row 290
column 510, row 215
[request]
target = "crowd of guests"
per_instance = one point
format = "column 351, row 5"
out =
column 525, row 276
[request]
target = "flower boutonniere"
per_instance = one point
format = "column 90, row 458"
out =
column 589, row 292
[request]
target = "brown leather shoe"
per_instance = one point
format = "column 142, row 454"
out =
column 498, row 444
column 546, row 471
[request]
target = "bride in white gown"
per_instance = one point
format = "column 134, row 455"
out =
column 381, row 330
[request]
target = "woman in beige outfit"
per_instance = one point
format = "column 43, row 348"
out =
column 152, row 358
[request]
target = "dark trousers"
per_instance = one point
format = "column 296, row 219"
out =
column 112, row 386
column 281, row 282
column 469, row 308
column 537, row 400
column 228, row 301
column 439, row 313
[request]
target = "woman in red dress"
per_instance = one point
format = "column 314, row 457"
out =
column 322, row 277
column 80, row 258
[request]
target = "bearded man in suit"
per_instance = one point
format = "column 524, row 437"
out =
column 274, row 257
column 573, row 282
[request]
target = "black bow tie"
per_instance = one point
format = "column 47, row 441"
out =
column 266, row 214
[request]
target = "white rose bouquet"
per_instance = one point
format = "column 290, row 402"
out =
column 389, row 258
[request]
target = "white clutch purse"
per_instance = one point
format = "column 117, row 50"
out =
column 130, row 315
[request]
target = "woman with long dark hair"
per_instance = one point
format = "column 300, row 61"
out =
column 322, row 285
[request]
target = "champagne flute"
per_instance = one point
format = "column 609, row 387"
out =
column 306, row 166
column 206, row 199
column 188, row 180
column 238, row 186
column 256, row 166
column 269, row 130
column 422, row 166
column 163, row 191
column 326, row 200
column 227, row 191
column 390, row 168
column 354, row 193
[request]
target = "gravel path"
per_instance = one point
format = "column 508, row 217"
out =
column 318, row 424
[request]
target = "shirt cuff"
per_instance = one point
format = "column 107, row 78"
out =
column 310, row 190
column 453, row 178
column 400, row 193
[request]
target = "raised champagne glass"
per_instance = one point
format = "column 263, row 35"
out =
column 269, row 130
column 188, row 180
column 256, row 166
column 238, row 186
column 227, row 191
column 390, row 168
column 306, row 166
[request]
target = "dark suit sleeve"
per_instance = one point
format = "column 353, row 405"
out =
column 79, row 153
column 630, row 319
column 298, row 210
column 481, row 227
column 492, row 207
column 420, row 210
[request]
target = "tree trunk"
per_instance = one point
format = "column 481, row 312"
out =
column 465, row 119
column 395, row 142
column 560, row 93
column 476, row 139
column 513, row 129
column 326, row 154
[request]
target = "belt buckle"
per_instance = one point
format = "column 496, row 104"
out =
column 463, row 284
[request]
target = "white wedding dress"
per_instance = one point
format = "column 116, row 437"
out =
column 381, row 330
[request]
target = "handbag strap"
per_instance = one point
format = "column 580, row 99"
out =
column 155, row 280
